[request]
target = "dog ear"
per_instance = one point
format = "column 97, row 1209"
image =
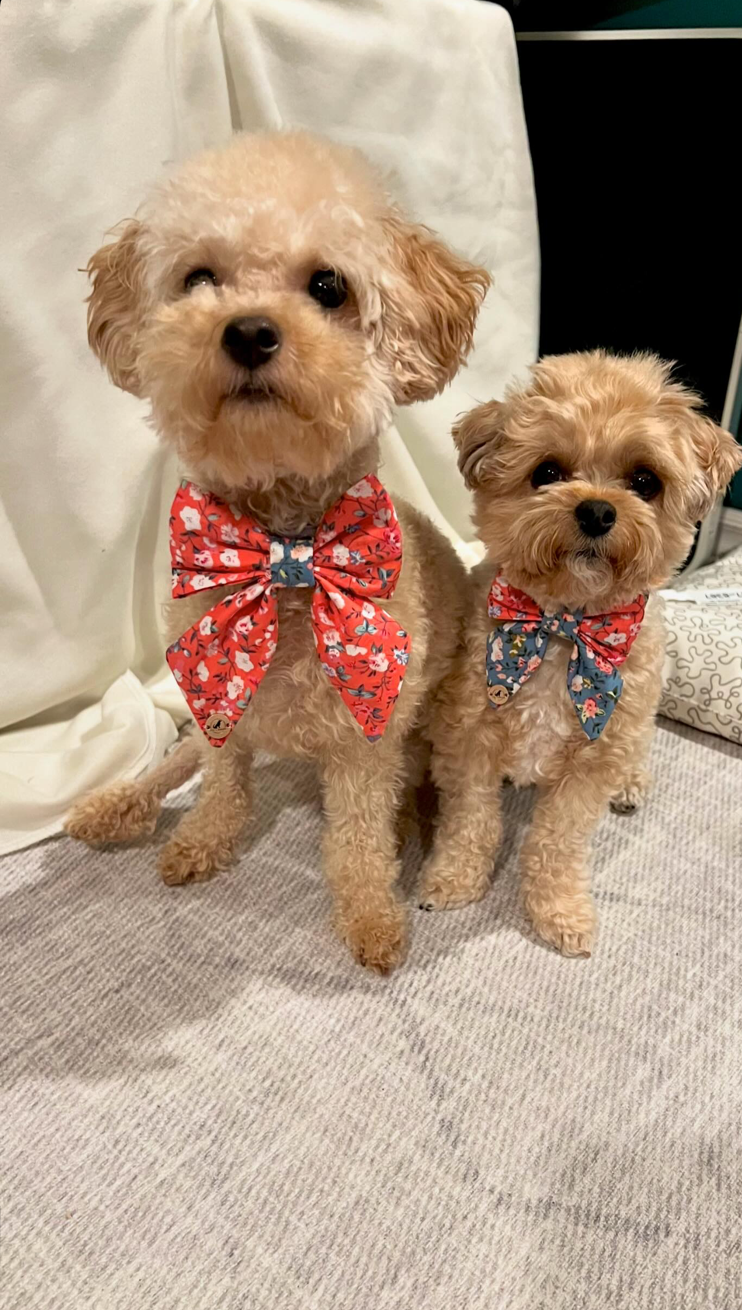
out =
column 475, row 436
column 719, row 457
column 429, row 307
column 114, row 306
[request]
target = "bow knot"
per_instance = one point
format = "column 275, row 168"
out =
column 600, row 643
column 353, row 558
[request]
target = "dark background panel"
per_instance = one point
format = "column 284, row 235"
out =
column 634, row 147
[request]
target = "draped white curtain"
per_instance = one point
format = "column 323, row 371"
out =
column 99, row 97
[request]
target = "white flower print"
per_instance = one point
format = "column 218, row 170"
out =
column 356, row 650
column 337, row 599
column 235, row 687
column 178, row 675
column 199, row 581
column 340, row 555
column 194, row 493
column 229, row 533
column 368, row 611
column 230, row 559
column 576, row 683
column 203, row 672
column 615, row 639
column 191, row 519
column 244, row 625
column 243, row 661
column 204, row 559
column 496, row 649
column 331, row 638
column 276, row 552
column 302, row 553
column 204, row 626
column 378, row 662
column 361, row 489
column 382, row 517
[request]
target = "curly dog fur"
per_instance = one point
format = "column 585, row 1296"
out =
column 599, row 418
column 260, row 217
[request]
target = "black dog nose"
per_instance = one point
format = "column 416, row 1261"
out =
column 595, row 517
column 251, row 341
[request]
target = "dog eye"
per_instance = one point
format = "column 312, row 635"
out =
column 328, row 288
column 645, row 483
column 200, row 277
column 547, row 471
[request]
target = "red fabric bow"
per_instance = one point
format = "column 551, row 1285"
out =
column 353, row 558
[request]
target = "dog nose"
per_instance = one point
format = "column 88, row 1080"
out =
column 251, row 341
column 595, row 517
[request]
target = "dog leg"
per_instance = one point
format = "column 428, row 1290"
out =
column 637, row 783
column 554, row 862
column 207, row 837
column 361, row 793
column 469, row 828
column 128, row 810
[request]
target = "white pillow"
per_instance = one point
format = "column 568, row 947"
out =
column 702, row 676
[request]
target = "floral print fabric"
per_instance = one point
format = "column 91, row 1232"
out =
column 600, row 643
column 352, row 560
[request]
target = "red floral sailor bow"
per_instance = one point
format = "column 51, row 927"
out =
column 353, row 558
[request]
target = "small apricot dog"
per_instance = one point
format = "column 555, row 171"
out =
column 272, row 306
column 588, row 484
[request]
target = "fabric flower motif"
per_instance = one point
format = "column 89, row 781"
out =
column 200, row 581
column 378, row 662
column 235, row 687
column 229, row 534
column 204, row 559
column 576, row 683
column 615, row 639
column 361, row 490
column 203, row 672
column 230, row 559
column 191, row 519
column 204, row 626
column 340, row 555
column 302, row 553
column 243, row 661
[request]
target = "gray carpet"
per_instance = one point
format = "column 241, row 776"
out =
column 204, row 1104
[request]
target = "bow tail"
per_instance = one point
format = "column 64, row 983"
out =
column 363, row 651
column 220, row 662
column 512, row 658
column 594, row 694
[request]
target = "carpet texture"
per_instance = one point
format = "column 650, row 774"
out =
column 205, row 1104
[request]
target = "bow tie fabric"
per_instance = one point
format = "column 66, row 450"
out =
column 600, row 643
column 352, row 559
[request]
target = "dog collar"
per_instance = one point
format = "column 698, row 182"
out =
column 600, row 643
column 351, row 560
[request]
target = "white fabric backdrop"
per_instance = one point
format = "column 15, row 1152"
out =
column 99, row 97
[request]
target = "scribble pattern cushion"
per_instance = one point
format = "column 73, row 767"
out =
column 703, row 663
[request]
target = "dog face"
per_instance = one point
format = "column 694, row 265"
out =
column 272, row 306
column 589, row 482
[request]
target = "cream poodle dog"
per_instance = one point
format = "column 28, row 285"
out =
column 272, row 306
column 588, row 484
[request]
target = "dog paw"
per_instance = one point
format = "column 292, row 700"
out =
column 570, row 930
column 182, row 861
column 632, row 795
column 451, row 891
column 117, row 814
column 377, row 938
